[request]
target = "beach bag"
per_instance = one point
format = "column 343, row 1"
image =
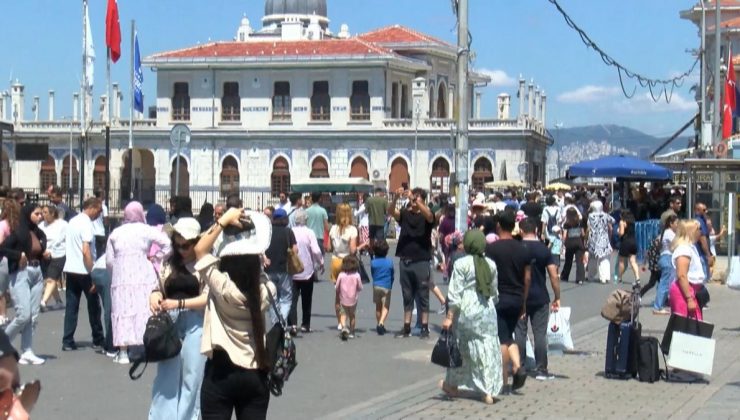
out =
column 282, row 352
column 295, row 265
column 618, row 306
column 445, row 352
column 558, row 330
column 161, row 342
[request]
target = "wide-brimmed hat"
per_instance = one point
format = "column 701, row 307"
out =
column 253, row 241
column 188, row 228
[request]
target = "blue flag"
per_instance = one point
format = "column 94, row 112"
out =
column 138, row 77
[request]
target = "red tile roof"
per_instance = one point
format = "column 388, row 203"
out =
column 325, row 48
column 398, row 34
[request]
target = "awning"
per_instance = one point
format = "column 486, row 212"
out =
column 625, row 167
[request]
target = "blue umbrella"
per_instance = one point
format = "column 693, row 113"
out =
column 625, row 167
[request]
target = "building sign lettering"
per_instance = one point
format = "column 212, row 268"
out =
column 256, row 109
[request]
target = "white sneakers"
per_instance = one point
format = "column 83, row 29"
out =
column 121, row 358
column 29, row 358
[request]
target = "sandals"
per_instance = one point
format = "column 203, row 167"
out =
column 450, row 392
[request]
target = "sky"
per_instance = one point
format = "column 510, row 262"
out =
column 42, row 47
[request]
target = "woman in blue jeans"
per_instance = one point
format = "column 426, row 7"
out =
column 25, row 248
column 183, row 294
column 667, row 271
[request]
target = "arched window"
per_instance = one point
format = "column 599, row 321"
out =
column 399, row 174
column 358, row 169
column 440, row 179
column 229, row 176
column 319, row 168
column 184, row 184
column 99, row 174
column 280, row 178
column 48, row 173
column 442, row 102
column 431, row 101
column 482, row 173
column 65, row 175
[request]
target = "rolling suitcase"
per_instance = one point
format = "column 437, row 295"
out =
column 623, row 344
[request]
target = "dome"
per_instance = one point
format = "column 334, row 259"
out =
column 295, row 7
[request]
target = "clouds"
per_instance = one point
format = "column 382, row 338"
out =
column 588, row 94
column 644, row 103
column 499, row 78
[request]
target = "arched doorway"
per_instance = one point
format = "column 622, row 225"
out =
column 358, row 169
column 66, row 164
column 229, row 176
column 181, row 188
column 439, row 182
column 5, row 162
column 442, row 101
column 280, row 177
column 399, row 174
column 319, row 168
column 482, row 173
column 144, row 176
column 47, row 175
column 99, row 174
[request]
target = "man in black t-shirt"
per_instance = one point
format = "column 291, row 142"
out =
column 542, row 264
column 414, row 250
column 532, row 208
column 277, row 260
column 512, row 262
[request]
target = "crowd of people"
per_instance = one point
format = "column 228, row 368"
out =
column 214, row 276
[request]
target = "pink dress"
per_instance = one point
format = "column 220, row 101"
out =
column 132, row 278
column 348, row 286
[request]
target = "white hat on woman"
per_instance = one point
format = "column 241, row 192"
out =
column 254, row 241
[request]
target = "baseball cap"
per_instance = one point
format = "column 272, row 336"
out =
column 188, row 228
column 278, row 213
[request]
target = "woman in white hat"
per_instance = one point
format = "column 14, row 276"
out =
column 181, row 292
column 234, row 330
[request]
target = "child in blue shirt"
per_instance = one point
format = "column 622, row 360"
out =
column 381, row 268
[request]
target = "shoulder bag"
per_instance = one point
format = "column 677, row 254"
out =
column 161, row 342
column 446, row 353
column 281, row 350
column 295, row 265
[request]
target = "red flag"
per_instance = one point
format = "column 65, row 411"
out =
column 113, row 31
column 727, row 111
column 731, row 90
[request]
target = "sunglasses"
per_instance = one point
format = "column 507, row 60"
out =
column 184, row 246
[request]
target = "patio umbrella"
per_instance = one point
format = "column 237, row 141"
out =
column 558, row 186
column 505, row 184
column 626, row 167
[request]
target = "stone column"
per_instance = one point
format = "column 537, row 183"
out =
column 477, row 104
column 76, row 107
column 522, row 97
column 51, row 105
column 17, row 102
column 2, row 106
column 36, row 104
column 104, row 108
column 530, row 99
column 544, row 108
column 537, row 104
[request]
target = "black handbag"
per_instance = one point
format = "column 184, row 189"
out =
column 282, row 352
column 161, row 342
column 446, row 353
column 702, row 297
column 685, row 325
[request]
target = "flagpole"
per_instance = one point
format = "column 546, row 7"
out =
column 107, row 126
column 131, row 114
column 85, row 94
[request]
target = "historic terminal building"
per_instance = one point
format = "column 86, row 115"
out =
column 292, row 100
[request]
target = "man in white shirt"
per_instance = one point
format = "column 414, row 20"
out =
column 99, row 225
column 78, row 266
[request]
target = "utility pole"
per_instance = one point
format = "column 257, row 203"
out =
column 716, row 132
column 705, row 136
column 461, row 149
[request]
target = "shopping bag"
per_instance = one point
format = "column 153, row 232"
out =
column 530, row 363
column 678, row 323
column 558, row 330
column 691, row 353
column 445, row 352
column 733, row 278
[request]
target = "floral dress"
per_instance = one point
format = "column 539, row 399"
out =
column 476, row 331
column 599, row 245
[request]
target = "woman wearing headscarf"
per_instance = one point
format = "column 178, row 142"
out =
column 25, row 248
column 157, row 218
column 132, row 277
column 472, row 296
column 598, row 232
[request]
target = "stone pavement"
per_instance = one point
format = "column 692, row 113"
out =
column 581, row 391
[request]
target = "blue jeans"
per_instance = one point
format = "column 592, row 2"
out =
column 176, row 388
column 101, row 278
column 667, row 275
column 705, row 267
column 26, row 288
column 284, row 285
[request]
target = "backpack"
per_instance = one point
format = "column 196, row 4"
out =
column 281, row 350
column 552, row 221
column 161, row 342
column 648, row 365
column 653, row 254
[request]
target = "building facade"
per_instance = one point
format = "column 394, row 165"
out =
column 291, row 101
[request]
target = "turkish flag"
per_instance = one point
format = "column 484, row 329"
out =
column 727, row 111
column 731, row 93
column 113, row 31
